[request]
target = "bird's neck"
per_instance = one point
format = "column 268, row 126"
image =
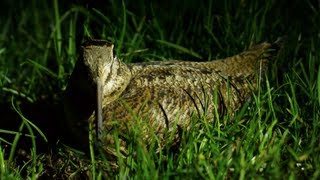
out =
column 115, row 81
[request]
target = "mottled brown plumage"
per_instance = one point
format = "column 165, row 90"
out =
column 162, row 97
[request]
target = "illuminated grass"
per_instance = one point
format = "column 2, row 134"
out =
column 274, row 135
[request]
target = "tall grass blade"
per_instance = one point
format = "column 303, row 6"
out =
column 180, row 48
column 318, row 84
column 123, row 30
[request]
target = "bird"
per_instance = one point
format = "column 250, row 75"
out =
column 162, row 97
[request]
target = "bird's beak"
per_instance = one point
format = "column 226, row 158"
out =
column 99, row 108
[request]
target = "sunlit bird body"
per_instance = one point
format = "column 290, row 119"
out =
column 161, row 97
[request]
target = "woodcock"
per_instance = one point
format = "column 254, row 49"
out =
column 161, row 97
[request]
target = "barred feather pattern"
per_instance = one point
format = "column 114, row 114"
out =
column 162, row 97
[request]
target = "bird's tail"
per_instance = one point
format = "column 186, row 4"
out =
column 247, row 63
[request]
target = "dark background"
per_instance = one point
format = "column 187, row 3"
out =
column 27, row 26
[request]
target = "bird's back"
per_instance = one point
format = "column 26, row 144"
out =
column 164, row 96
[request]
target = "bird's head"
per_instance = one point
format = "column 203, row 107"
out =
column 98, row 58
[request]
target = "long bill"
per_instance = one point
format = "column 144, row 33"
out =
column 99, row 108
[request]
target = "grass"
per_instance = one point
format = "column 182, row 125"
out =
column 275, row 135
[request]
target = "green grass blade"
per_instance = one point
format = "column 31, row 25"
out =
column 29, row 123
column 180, row 48
column 43, row 68
column 2, row 163
column 92, row 154
column 318, row 83
column 123, row 30
column 58, row 35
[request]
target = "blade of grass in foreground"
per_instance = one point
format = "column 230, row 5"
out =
column 92, row 155
column 29, row 122
column 30, row 126
column 2, row 163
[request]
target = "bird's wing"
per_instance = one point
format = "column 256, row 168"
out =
column 165, row 95
column 252, row 61
column 169, row 95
